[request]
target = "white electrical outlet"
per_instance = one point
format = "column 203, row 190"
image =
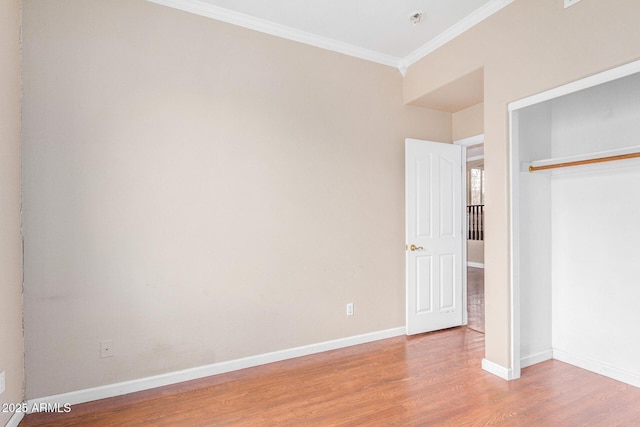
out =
column 350, row 309
column 568, row 3
column 2, row 382
column 106, row 348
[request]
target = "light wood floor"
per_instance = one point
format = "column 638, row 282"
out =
column 428, row 380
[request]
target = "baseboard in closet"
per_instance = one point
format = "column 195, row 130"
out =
column 598, row 367
column 536, row 358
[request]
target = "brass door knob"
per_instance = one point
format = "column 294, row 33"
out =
column 416, row 248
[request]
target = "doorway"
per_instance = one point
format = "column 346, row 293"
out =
column 431, row 276
column 475, row 197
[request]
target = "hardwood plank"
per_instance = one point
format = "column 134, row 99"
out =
column 427, row 380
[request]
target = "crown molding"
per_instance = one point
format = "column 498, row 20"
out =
column 202, row 8
column 236, row 18
column 454, row 31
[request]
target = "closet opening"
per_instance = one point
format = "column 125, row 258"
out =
column 575, row 203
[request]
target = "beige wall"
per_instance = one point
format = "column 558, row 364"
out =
column 199, row 192
column 475, row 251
column 11, row 347
column 528, row 47
column 468, row 122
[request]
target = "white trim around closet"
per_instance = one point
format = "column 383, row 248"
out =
column 587, row 82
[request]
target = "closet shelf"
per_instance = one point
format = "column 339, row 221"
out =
column 585, row 159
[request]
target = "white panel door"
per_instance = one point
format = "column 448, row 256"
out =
column 435, row 237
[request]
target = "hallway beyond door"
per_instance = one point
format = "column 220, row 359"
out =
column 475, row 298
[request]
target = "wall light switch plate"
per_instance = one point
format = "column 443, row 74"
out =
column 2, row 382
column 568, row 3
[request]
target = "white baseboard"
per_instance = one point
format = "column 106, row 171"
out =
column 598, row 367
column 118, row 389
column 475, row 264
column 15, row 420
column 498, row 370
column 536, row 358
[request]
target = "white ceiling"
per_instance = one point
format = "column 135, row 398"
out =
column 376, row 30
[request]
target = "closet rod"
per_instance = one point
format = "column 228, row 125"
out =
column 584, row 162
